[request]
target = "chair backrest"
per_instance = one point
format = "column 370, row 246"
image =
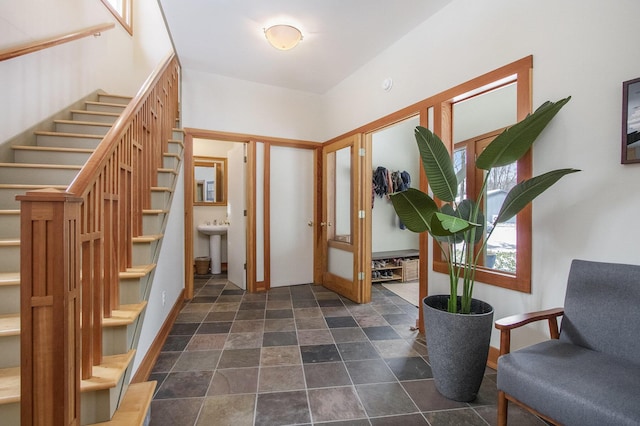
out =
column 602, row 308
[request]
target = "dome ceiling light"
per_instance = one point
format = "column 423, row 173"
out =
column 283, row 37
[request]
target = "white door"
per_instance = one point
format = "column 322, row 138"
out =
column 292, row 191
column 236, row 205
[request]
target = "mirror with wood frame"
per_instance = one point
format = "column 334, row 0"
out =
column 209, row 181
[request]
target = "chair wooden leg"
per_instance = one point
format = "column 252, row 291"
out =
column 502, row 409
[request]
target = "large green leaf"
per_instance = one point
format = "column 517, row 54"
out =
column 524, row 192
column 437, row 164
column 466, row 211
column 455, row 238
column 443, row 225
column 414, row 208
column 514, row 142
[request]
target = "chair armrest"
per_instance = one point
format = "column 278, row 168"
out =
column 505, row 325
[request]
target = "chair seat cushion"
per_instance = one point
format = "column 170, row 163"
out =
column 573, row 385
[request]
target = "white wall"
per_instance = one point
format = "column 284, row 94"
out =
column 231, row 105
column 580, row 48
column 394, row 148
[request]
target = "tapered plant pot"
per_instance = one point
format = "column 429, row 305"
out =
column 458, row 346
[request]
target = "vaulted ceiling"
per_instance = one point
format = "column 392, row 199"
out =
column 226, row 37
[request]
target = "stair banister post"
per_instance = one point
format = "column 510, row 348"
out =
column 50, row 308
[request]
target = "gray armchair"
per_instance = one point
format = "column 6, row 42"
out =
column 589, row 372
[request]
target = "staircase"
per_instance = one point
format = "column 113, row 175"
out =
column 53, row 162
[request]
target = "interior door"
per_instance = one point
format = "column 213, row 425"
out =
column 291, row 201
column 236, row 207
column 342, row 223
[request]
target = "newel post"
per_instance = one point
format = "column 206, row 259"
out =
column 49, row 308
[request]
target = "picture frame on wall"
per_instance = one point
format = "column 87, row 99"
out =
column 631, row 121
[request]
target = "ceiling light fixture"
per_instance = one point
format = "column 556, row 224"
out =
column 283, row 37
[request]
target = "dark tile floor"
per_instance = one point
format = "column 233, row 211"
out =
column 303, row 355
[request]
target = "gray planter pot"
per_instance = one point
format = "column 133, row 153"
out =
column 458, row 346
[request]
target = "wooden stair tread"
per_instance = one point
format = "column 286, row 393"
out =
column 105, row 376
column 51, row 149
column 68, row 135
column 111, row 104
column 39, row 166
column 84, row 111
column 162, row 169
column 137, row 271
column 10, row 325
column 126, row 315
column 111, row 95
column 154, row 211
column 9, row 242
column 9, row 385
column 147, row 238
column 30, row 186
column 83, row 123
column 134, row 405
column 9, row 278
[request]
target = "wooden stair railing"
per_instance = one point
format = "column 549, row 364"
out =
column 75, row 244
column 34, row 46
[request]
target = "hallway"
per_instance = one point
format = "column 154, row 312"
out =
column 303, row 355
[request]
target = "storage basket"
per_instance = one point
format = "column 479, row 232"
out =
column 202, row 265
column 410, row 270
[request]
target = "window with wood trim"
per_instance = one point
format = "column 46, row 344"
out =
column 121, row 9
column 468, row 128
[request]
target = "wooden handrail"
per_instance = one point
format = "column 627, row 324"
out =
column 34, row 46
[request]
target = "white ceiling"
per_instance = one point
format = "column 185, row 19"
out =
column 225, row 37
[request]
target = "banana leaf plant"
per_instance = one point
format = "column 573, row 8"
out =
column 461, row 222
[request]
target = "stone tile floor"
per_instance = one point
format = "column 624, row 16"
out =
column 303, row 355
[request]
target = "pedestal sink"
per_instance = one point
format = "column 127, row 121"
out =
column 214, row 232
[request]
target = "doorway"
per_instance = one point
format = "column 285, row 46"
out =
column 251, row 249
column 394, row 249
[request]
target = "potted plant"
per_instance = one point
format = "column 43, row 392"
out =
column 458, row 327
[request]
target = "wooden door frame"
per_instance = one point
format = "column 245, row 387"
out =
column 251, row 140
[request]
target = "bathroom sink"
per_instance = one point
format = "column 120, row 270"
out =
column 214, row 232
column 213, row 229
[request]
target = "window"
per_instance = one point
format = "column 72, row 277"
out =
column 468, row 117
column 500, row 251
column 121, row 9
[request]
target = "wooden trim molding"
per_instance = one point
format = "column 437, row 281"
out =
column 34, row 46
column 149, row 360
column 188, row 215
column 492, row 360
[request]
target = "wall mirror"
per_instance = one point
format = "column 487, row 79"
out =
column 209, row 181
column 631, row 121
